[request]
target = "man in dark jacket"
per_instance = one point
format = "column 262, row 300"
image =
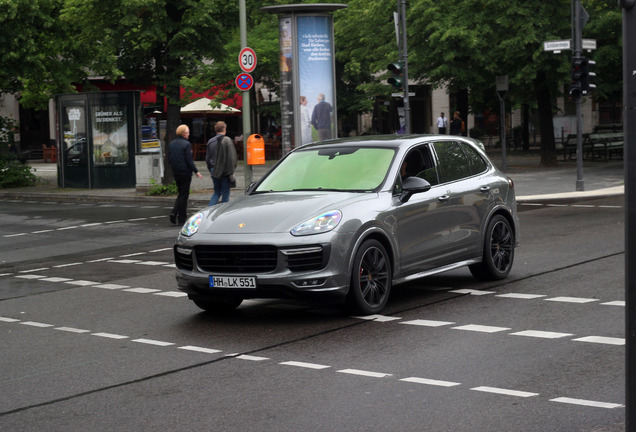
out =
column 180, row 159
column 321, row 118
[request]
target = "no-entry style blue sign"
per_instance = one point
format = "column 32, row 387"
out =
column 244, row 81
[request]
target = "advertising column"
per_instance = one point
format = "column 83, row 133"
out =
column 307, row 70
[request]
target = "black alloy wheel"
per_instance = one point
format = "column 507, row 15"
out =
column 370, row 279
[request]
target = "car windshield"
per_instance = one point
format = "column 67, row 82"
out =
column 330, row 168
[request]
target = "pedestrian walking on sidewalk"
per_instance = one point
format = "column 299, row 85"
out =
column 457, row 125
column 180, row 159
column 222, row 149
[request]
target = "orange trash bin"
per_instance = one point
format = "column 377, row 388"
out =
column 255, row 150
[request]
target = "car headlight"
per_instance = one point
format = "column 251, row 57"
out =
column 318, row 225
column 192, row 225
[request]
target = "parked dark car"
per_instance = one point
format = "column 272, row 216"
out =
column 350, row 218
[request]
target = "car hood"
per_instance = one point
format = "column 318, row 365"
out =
column 274, row 212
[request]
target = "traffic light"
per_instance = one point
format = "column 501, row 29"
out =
column 581, row 77
column 586, row 76
column 397, row 77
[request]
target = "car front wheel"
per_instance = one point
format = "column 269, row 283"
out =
column 499, row 251
column 370, row 279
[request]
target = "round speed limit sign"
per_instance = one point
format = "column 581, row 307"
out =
column 247, row 59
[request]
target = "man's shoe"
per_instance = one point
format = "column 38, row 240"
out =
column 173, row 219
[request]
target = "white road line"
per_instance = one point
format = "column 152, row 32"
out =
column 111, row 286
column 171, row 294
column 34, row 270
column 571, row 299
column 481, row 328
column 72, row 330
column 614, row 303
column 142, row 290
column 110, row 335
column 364, row 373
column 67, row 228
column 305, row 365
column 431, row 382
column 152, row 342
column 251, row 358
column 377, row 318
column 601, row 340
column 521, row 296
column 200, row 349
column 67, row 265
column 152, row 263
column 132, row 254
column 472, row 292
column 506, row 392
column 92, row 224
column 56, row 279
column 586, row 403
column 114, row 222
column 15, row 235
column 99, row 260
column 9, row 320
column 136, row 219
column 541, row 334
column 36, row 324
column 124, row 261
column 42, row 231
column 30, row 276
column 162, row 249
column 427, row 323
column 81, row 282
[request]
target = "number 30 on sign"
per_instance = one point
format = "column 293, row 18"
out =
column 247, row 59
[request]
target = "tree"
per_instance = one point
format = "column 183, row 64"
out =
column 467, row 44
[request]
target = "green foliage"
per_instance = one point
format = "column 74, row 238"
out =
column 13, row 173
column 160, row 189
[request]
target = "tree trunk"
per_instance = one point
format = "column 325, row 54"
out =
column 544, row 102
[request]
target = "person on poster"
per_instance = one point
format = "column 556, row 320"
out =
column 180, row 159
column 221, row 183
column 305, row 121
column 321, row 118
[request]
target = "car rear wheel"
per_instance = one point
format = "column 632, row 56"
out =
column 499, row 251
column 224, row 305
column 370, row 279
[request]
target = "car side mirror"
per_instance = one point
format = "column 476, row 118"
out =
column 413, row 185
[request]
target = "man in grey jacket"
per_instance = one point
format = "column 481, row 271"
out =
column 221, row 159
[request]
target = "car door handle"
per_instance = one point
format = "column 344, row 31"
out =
column 484, row 189
column 443, row 198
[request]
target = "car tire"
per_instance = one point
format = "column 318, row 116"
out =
column 371, row 279
column 499, row 251
column 219, row 306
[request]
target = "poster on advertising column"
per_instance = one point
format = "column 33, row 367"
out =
column 110, row 135
column 316, row 78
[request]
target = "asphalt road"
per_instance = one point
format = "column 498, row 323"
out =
column 94, row 336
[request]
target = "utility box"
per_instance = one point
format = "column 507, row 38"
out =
column 148, row 169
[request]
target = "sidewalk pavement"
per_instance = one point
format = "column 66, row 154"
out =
column 533, row 183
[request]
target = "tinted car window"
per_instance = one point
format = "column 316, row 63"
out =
column 453, row 163
column 477, row 163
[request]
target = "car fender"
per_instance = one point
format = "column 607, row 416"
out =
column 373, row 231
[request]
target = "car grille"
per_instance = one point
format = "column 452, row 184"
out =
column 251, row 259
column 236, row 259
column 304, row 259
column 182, row 259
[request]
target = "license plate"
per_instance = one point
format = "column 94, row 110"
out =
column 232, row 282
